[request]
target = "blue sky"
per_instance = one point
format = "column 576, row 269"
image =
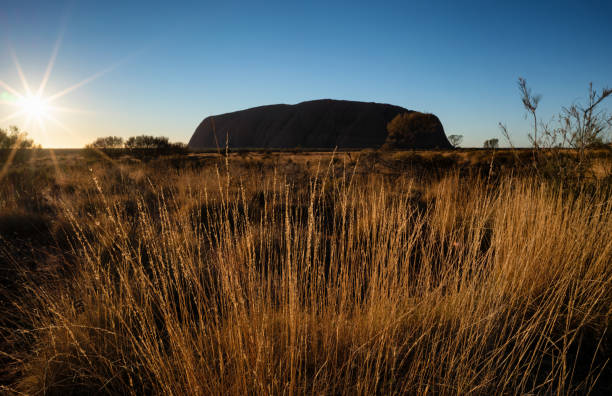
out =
column 167, row 65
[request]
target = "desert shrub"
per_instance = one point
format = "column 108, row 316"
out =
column 143, row 146
column 13, row 138
column 107, row 142
column 412, row 130
column 178, row 148
column 147, row 142
column 15, row 146
column 491, row 144
column 455, row 140
column 563, row 148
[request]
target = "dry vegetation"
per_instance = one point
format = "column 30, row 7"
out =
column 267, row 273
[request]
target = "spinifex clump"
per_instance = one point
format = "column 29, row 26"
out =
column 309, row 279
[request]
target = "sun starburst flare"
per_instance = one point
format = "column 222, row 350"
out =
column 34, row 106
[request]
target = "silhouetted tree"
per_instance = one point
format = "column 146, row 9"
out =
column 491, row 144
column 580, row 126
column 414, row 130
column 148, row 142
column 107, row 142
column 13, row 138
column 584, row 125
column 530, row 102
column 455, row 140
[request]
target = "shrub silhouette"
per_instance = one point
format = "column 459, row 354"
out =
column 491, row 144
column 107, row 142
column 581, row 127
column 157, row 143
column 147, row 141
column 15, row 146
column 455, row 140
column 143, row 145
column 13, row 138
column 415, row 130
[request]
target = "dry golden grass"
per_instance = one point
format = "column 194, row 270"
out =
column 313, row 280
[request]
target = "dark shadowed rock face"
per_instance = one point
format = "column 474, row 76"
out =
column 322, row 123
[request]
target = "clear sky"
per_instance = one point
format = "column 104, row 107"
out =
column 160, row 68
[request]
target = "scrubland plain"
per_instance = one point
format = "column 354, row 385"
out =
column 303, row 273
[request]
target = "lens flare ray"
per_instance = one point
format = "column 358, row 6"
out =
column 37, row 105
column 95, row 76
column 74, row 110
column 22, row 77
column 10, row 89
column 12, row 116
column 51, row 63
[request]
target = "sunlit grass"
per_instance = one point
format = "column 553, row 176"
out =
column 235, row 281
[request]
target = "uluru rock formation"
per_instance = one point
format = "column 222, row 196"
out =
column 322, row 123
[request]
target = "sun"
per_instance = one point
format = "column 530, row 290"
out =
column 39, row 108
column 34, row 106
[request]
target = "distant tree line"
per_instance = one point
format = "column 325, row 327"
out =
column 107, row 142
column 136, row 142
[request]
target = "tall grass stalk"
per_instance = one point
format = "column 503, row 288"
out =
column 350, row 285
